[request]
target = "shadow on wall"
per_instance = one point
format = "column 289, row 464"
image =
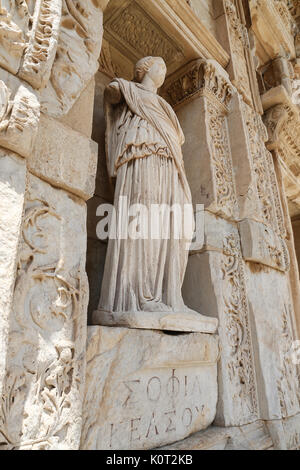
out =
column 96, row 249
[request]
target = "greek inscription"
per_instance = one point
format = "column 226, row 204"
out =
column 154, row 389
column 171, row 415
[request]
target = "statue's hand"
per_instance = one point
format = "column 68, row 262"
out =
column 112, row 93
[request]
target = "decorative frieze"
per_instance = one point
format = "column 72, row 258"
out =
column 77, row 54
column 285, row 15
column 141, row 35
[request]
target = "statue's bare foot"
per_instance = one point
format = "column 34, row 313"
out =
column 155, row 306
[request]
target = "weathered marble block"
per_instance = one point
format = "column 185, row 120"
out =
column 12, row 190
column 260, row 244
column 65, row 158
column 145, row 389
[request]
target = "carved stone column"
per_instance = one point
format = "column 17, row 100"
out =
column 283, row 121
column 241, row 272
column 214, row 281
column 48, row 165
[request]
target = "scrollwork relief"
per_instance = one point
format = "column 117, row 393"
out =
column 239, row 43
column 270, row 207
column 222, row 162
column 42, row 387
column 143, row 36
column 240, row 363
column 288, row 380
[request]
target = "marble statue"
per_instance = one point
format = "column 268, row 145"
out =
column 143, row 276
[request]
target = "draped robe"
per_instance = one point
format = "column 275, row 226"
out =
column 143, row 148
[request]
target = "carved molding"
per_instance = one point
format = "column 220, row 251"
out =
column 269, row 24
column 160, row 28
column 53, row 45
column 239, row 44
column 141, row 35
column 199, row 78
column 283, row 123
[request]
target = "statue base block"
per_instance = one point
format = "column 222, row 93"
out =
column 188, row 321
column 146, row 389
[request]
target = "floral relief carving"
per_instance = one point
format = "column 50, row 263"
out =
column 222, row 162
column 142, row 35
column 288, row 381
column 267, row 190
column 239, row 43
column 240, row 363
column 44, row 372
column 282, row 122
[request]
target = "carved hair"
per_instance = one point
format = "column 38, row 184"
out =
column 143, row 66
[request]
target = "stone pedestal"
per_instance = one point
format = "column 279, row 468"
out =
column 145, row 389
column 185, row 321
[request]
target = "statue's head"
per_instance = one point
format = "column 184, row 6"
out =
column 154, row 67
